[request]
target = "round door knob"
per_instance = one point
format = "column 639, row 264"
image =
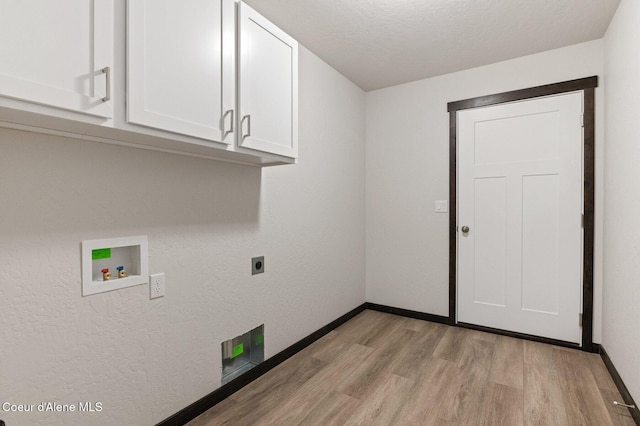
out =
column 465, row 229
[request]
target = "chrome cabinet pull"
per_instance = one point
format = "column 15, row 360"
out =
column 107, row 71
column 229, row 112
column 248, row 118
column 465, row 229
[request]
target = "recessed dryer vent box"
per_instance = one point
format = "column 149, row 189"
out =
column 130, row 253
column 242, row 353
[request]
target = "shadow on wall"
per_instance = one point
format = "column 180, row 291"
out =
column 52, row 184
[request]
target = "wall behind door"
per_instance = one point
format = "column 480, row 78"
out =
column 407, row 168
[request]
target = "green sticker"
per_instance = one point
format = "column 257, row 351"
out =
column 237, row 350
column 259, row 340
column 103, row 253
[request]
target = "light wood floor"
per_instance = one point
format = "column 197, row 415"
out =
column 381, row 369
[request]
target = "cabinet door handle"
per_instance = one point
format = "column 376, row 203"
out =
column 107, row 71
column 248, row 118
column 230, row 113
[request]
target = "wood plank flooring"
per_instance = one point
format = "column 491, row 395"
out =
column 382, row 369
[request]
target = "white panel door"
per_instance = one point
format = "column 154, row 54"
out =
column 180, row 66
column 54, row 52
column 520, row 195
column 268, row 85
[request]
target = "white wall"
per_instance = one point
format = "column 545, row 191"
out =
column 407, row 169
column 620, row 334
column 145, row 360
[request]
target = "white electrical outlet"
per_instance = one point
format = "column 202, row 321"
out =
column 156, row 286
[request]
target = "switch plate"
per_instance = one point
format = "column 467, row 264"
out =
column 156, row 286
column 257, row 265
column 442, row 206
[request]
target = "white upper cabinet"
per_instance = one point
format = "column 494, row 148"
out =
column 180, row 67
column 267, row 86
column 58, row 54
column 207, row 78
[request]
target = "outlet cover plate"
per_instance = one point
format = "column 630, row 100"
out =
column 156, row 286
column 257, row 265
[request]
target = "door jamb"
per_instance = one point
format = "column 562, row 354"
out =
column 587, row 85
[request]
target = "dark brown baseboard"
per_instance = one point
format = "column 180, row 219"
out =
column 407, row 313
column 622, row 388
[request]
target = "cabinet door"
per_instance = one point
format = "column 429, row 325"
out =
column 180, row 72
column 267, row 86
column 54, row 52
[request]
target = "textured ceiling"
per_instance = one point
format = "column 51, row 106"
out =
column 381, row 43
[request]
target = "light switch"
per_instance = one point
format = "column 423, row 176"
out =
column 441, row 206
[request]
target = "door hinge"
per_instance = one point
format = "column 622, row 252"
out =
column 582, row 220
column 581, row 120
column 580, row 320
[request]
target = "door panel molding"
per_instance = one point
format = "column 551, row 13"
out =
column 587, row 86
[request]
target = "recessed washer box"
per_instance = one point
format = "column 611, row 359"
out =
column 132, row 253
column 242, row 353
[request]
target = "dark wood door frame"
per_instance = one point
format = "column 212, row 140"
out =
column 587, row 86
